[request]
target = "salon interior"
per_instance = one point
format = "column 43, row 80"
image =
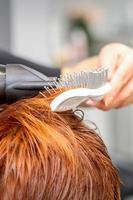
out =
column 58, row 33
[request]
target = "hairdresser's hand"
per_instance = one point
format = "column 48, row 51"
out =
column 120, row 60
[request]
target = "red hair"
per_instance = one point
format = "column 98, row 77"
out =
column 52, row 156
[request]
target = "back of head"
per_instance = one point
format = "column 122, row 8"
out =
column 52, row 156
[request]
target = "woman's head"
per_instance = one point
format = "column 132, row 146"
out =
column 52, row 156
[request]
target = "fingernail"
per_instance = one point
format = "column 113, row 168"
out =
column 91, row 103
column 108, row 101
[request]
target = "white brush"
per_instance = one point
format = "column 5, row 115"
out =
column 79, row 87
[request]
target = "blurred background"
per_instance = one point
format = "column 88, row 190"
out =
column 61, row 33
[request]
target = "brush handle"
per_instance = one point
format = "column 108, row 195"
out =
column 71, row 99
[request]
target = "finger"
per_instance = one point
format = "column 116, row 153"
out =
column 121, row 77
column 125, row 97
column 91, row 102
column 100, row 105
column 125, row 103
column 112, row 55
column 108, row 58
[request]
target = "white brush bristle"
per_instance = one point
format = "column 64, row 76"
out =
column 80, row 86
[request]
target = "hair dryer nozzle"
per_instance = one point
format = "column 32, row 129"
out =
column 18, row 81
column 2, row 83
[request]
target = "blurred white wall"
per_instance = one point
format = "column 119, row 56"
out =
column 5, row 25
column 36, row 30
column 124, row 131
